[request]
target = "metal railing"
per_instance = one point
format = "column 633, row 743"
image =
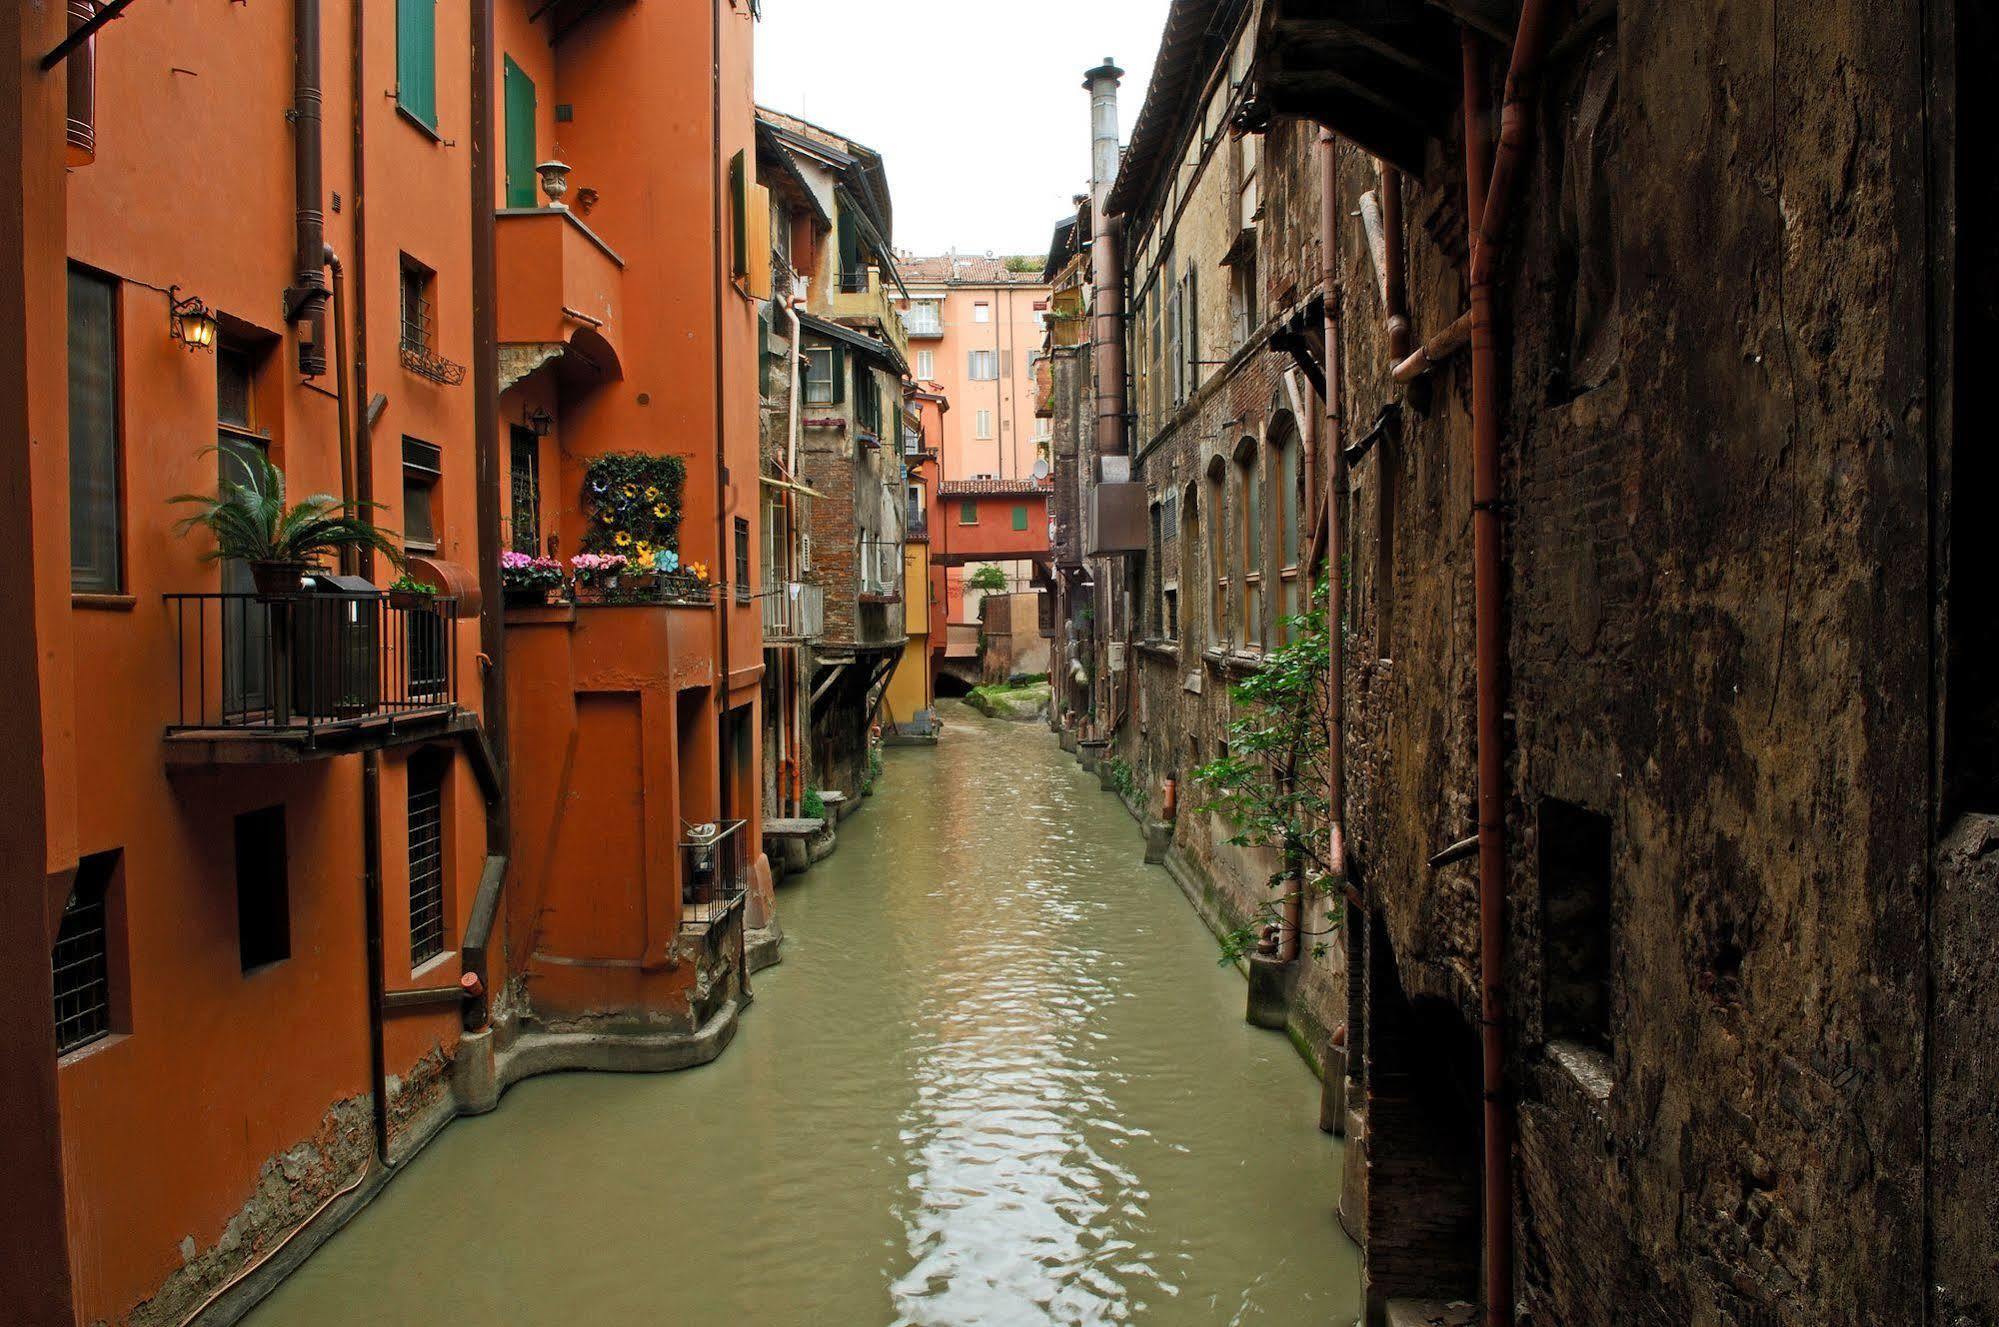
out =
column 311, row 662
column 794, row 611
column 923, row 319
column 855, row 281
column 713, row 878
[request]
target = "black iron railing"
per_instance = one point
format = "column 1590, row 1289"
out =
column 309, row 663
column 714, row 873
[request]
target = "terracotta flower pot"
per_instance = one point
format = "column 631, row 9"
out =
column 410, row 601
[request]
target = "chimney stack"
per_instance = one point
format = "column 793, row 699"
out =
column 1102, row 83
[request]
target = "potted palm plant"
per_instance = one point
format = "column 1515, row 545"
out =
column 251, row 522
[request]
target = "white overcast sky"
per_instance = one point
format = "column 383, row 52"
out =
column 977, row 109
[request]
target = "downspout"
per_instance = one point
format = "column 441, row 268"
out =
column 305, row 303
column 1394, row 270
column 723, row 548
column 486, row 450
column 1335, row 500
column 1529, row 45
column 341, row 357
column 792, row 765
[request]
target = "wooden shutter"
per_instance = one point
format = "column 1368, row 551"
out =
column 739, row 215
column 416, row 59
column 520, row 111
column 839, row 374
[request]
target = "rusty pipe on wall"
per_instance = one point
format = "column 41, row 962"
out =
column 1394, row 269
column 342, row 388
column 1335, row 496
column 1435, row 351
column 1486, row 218
column 305, row 303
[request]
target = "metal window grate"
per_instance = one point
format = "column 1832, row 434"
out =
column 426, row 838
column 81, row 961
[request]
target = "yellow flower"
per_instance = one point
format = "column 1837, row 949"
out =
column 645, row 551
column 605, row 516
column 659, row 510
column 631, row 490
column 623, row 540
column 652, row 493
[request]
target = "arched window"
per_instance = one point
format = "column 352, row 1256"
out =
column 1287, row 457
column 1190, row 556
column 1219, row 622
column 1250, row 544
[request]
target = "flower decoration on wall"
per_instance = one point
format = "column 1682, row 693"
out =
column 633, row 503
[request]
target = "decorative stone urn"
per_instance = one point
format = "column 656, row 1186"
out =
column 554, row 181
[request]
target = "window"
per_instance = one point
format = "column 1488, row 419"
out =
column 984, row 421
column 968, row 513
column 1218, row 560
column 1155, row 582
column 423, row 466
column 263, row 894
column 81, row 959
column 926, row 364
column 1169, row 516
column 924, row 317
column 982, row 365
column 521, row 158
column 1243, row 152
column 821, row 375
column 1289, row 499
column 1575, row 864
column 1020, row 518
column 246, row 631
column 918, row 520
column 1242, row 299
column 426, row 850
column 94, row 519
column 419, row 282
column 1190, row 330
column 742, row 560
column 1252, row 551
column 867, row 401
column 524, row 476
column 982, row 312
column 416, row 60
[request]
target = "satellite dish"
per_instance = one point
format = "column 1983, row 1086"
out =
column 1041, row 468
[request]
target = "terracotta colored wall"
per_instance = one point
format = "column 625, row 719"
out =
column 1009, row 453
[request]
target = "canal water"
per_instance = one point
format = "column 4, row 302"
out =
column 998, row 1079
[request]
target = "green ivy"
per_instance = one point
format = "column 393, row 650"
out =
column 812, row 806
column 633, row 501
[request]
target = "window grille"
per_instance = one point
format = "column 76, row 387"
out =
column 81, row 959
column 525, row 478
column 426, row 848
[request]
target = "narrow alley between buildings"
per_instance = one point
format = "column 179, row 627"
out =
column 998, row 1078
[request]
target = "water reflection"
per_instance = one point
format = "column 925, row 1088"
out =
column 998, row 1080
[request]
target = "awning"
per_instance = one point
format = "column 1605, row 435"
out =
column 861, row 341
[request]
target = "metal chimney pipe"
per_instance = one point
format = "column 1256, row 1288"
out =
column 305, row 303
column 1107, row 270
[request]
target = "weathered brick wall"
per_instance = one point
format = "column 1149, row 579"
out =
column 1716, row 484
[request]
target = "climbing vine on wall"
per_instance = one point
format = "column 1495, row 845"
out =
column 633, row 502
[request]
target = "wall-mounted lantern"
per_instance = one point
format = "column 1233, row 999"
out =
column 539, row 421
column 189, row 321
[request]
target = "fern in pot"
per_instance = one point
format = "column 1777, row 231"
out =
column 252, row 523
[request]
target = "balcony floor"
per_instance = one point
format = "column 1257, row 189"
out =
column 292, row 744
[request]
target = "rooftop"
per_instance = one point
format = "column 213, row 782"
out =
column 972, row 269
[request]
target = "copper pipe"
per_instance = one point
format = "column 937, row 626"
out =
column 1394, row 273
column 1335, row 493
column 344, row 390
column 1529, row 46
column 1478, row 143
column 1436, row 350
column 305, row 304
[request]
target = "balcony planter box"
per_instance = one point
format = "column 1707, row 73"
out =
column 411, row 601
column 279, row 580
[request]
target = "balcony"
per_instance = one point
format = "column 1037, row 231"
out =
column 862, row 301
column 880, row 571
column 558, row 283
column 925, row 320
column 322, row 673
column 793, row 612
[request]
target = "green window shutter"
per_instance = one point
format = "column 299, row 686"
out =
column 739, row 213
column 416, row 59
column 1020, row 518
column 839, row 374
column 520, row 135
column 968, row 513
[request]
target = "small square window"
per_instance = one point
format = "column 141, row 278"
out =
column 968, row 513
column 419, row 330
column 819, row 375
column 982, row 313
column 1020, row 518
column 263, row 892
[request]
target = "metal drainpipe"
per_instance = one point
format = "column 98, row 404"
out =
column 305, row 303
column 1529, row 46
column 343, row 391
column 486, row 423
column 1394, row 270
column 722, row 284
column 1335, row 498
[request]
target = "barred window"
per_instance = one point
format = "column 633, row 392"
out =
column 81, row 960
column 426, row 849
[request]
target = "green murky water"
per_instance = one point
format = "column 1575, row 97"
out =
column 998, row 1079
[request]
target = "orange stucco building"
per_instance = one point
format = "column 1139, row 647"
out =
column 311, row 876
